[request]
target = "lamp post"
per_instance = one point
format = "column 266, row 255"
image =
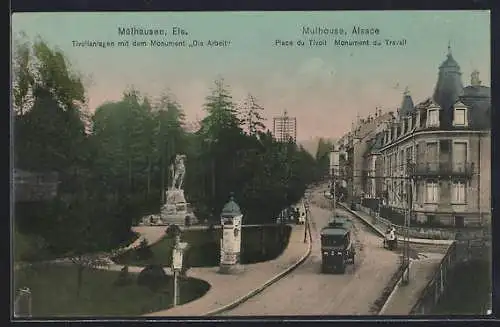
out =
column 334, row 165
column 177, row 258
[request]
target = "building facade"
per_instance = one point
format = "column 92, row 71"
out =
column 285, row 128
column 438, row 153
column 354, row 148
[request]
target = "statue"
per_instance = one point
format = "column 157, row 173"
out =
column 177, row 171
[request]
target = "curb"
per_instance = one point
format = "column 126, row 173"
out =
column 266, row 284
column 380, row 232
column 396, row 287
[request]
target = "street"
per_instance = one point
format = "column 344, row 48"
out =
column 308, row 292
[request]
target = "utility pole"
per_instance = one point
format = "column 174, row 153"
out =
column 334, row 163
column 406, row 250
column 306, row 205
column 410, row 180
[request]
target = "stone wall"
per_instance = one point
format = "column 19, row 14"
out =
column 431, row 232
column 458, row 252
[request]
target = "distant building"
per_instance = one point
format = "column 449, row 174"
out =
column 353, row 148
column 284, row 128
column 443, row 144
column 33, row 186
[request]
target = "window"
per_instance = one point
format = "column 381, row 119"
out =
column 459, row 221
column 431, row 219
column 459, row 156
column 459, row 117
column 431, row 156
column 433, row 118
column 432, row 192
column 458, row 192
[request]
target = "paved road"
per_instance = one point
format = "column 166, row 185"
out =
column 308, row 292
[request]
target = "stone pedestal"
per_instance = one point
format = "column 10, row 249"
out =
column 231, row 269
column 174, row 211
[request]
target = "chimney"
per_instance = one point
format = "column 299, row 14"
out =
column 474, row 78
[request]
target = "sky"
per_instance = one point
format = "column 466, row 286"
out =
column 324, row 87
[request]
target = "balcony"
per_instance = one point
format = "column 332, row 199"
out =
column 440, row 169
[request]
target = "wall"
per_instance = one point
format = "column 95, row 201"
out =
column 485, row 176
column 458, row 252
column 477, row 211
column 434, row 233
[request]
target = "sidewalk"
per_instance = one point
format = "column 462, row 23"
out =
column 226, row 289
column 369, row 220
column 404, row 297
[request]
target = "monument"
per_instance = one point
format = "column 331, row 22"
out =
column 175, row 209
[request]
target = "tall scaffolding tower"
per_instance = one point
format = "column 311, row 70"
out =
column 285, row 127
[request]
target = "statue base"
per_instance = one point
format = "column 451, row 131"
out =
column 231, row 269
column 174, row 211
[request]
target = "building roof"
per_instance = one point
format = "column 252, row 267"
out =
column 407, row 105
column 448, row 88
column 450, row 62
column 231, row 208
column 376, row 143
column 477, row 98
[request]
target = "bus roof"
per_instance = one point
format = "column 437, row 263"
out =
column 334, row 231
column 340, row 222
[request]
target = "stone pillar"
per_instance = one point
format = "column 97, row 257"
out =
column 231, row 225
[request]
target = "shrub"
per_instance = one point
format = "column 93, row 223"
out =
column 172, row 231
column 153, row 277
column 29, row 247
column 144, row 251
column 124, row 277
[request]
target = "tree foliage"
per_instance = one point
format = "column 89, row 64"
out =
column 117, row 171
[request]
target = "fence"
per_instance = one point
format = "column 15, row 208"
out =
column 458, row 252
column 434, row 233
column 436, row 286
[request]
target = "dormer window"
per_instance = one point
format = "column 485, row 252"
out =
column 459, row 115
column 433, row 117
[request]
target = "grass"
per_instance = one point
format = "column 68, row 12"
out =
column 259, row 244
column 469, row 290
column 54, row 293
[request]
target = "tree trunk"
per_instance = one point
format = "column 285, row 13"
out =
column 148, row 189
column 79, row 279
column 263, row 242
column 130, row 174
column 213, row 178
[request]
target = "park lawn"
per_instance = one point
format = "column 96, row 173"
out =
column 54, row 293
column 204, row 247
column 469, row 290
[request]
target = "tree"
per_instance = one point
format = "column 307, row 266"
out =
column 323, row 156
column 48, row 95
column 170, row 132
column 220, row 136
column 251, row 113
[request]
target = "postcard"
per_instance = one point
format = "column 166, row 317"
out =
column 198, row 164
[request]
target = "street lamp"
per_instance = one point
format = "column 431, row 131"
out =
column 334, row 165
column 177, row 258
